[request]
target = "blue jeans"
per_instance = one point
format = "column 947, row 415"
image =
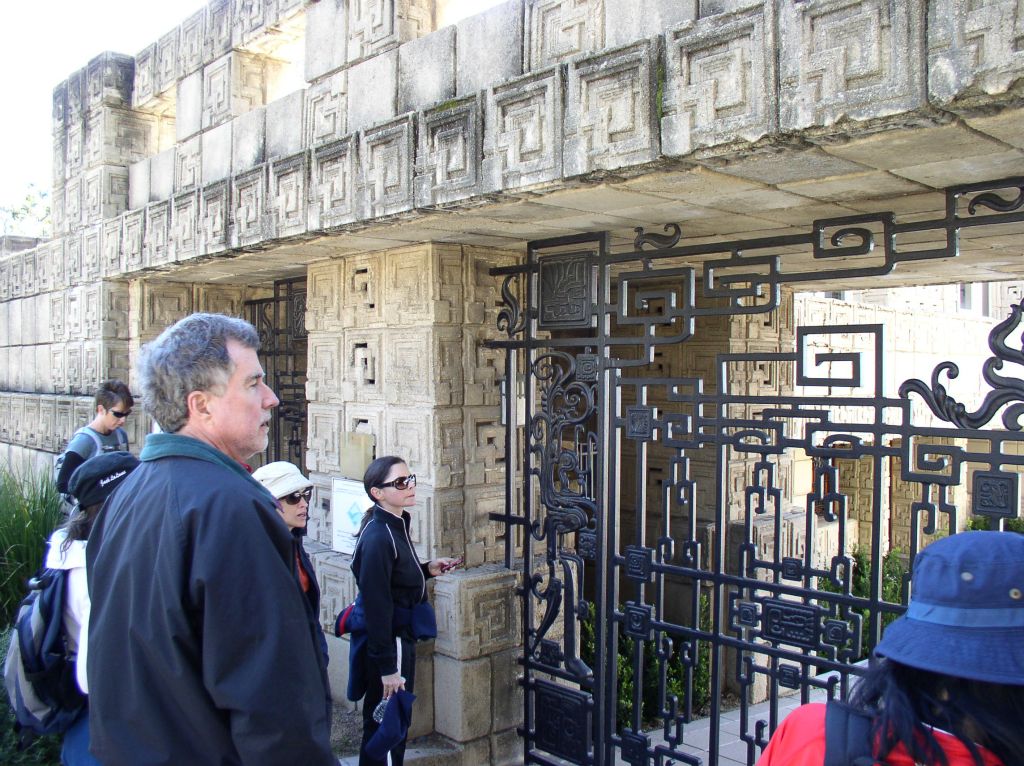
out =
column 75, row 751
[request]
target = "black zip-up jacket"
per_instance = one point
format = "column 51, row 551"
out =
column 203, row 649
column 389, row 574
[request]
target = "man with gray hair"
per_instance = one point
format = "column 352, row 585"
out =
column 202, row 648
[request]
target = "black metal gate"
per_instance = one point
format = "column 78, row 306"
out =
column 281, row 323
column 665, row 578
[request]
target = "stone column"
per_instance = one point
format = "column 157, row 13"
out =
column 395, row 351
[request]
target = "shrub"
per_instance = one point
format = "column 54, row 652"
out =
column 894, row 571
column 675, row 672
column 1015, row 524
column 30, row 509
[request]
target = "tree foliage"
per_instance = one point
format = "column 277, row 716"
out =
column 29, row 216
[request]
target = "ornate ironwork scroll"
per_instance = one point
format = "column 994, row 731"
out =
column 710, row 519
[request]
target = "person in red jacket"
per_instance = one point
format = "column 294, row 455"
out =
column 947, row 684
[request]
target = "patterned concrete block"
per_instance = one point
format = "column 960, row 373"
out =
column 105, row 193
column 219, row 23
column 184, row 238
column 334, row 200
column 188, row 162
column 167, row 70
column 108, row 80
column 610, row 114
column 326, row 107
column 477, row 612
column 720, row 76
column 557, row 30
column 155, row 243
column 523, row 131
column 973, row 48
column 214, row 217
column 449, row 151
column 191, row 43
column 374, row 26
column 386, row 154
column 232, row 85
column 249, row 207
column 859, row 61
column 287, row 197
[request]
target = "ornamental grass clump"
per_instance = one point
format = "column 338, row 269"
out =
column 30, row 509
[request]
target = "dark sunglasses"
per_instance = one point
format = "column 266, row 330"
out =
column 295, row 497
column 402, row 482
column 119, row 413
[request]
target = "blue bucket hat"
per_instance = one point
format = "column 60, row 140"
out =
column 393, row 727
column 966, row 612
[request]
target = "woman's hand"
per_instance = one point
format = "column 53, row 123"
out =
column 442, row 565
column 392, row 684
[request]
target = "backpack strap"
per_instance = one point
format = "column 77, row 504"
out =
column 122, row 440
column 92, row 435
column 847, row 736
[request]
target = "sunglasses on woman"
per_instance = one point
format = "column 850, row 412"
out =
column 402, row 482
column 295, row 497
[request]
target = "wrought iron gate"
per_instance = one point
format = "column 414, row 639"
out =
column 281, row 323
column 664, row 578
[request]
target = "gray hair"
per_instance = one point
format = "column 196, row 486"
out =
column 190, row 355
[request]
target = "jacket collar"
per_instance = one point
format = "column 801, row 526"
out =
column 161, row 445
column 390, row 519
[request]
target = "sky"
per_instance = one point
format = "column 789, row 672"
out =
column 42, row 42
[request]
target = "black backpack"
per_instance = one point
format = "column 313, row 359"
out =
column 39, row 673
column 847, row 736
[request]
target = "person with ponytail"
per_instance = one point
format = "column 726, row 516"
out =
column 392, row 584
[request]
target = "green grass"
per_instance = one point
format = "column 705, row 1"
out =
column 30, row 509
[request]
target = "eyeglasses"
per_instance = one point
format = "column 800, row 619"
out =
column 402, row 482
column 295, row 497
column 119, row 414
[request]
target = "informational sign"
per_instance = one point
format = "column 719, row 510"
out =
column 348, row 504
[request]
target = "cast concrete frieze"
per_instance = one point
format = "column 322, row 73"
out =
column 363, row 291
column 386, row 155
column 334, row 201
column 288, row 196
column 974, row 48
column 76, row 95
column 323, row 297
column 854, row 60
column 232, row 85
column 188, row 157
column 44, row 268
column 325, row 368
column 476, row 611
column 132, row 239
column 60, row 147
column 92, row 245
column 155, row 249
column 184, row 240
column 73, row 205
column 610, row 115
column 163, row 304
column 523, row 131
column 191, row 43
column 327, row 109
column 323, row 446
column 73, row 258
column 111, row 260
column 75, row 151
column 361, row 372
column 115, row 136
column 108, row 80
column 105, row 192
column 449, row 151
column 408, row 281
column 219, row 24
column 214, row 217
column 248, row 206
column 29, row 272
column 377, row 25
column 485, row 446
column 167, row 69
column 561, row 29
column 59, row 112
column 219, row 299
column 145, row 94
column 720, row 80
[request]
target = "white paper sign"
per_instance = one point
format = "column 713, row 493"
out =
column 348, row 504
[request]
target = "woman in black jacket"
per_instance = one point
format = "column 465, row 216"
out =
column 390, row 576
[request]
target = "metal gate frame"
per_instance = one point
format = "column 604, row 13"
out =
column 564, row 314
column 281, row 324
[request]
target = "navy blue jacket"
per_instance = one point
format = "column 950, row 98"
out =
column 202, row 648
column 389, row 574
